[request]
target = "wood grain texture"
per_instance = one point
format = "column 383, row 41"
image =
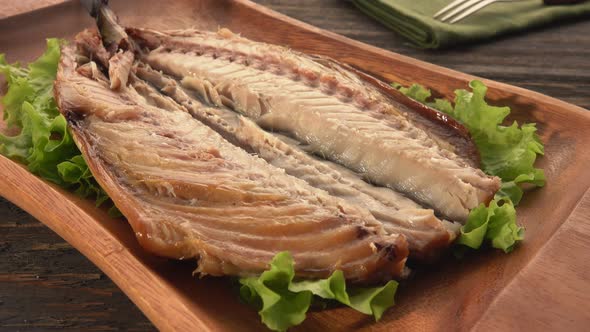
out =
column 46, row 283
column 550, row 61
column 553, row 278
column 11, row 8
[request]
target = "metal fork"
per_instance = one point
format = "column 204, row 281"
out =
column 460, row 9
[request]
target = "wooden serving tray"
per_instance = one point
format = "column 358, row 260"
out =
column 544, row 284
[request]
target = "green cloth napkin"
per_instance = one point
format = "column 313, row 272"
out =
column 413, row 19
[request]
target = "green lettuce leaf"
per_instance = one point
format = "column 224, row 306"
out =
column 373, row 301
column 43, row 143
column 508, row 152
column 512, row 190
column 496, row 223
column 281, row 307
column 284, row 302
column 414, row 91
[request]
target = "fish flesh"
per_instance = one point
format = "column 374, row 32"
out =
column 119, row 68
column 188, row 192
column 326, row 107
column 229, row 151
column 426, row 234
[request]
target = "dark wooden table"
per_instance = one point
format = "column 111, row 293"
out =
column 46, row 284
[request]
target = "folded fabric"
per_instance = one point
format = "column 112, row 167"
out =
column 413, row 19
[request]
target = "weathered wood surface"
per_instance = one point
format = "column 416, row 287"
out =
column 45, row 283
column 10, row 7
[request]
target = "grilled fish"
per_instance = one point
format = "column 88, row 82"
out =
column 229, row 150
column 327, row 107
column 188, row 192
column 425, row 232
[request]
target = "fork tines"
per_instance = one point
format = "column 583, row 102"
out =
column 459, row 9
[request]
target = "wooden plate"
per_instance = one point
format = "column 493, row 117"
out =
column 544, row 284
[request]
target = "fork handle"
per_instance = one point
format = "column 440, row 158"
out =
column 562, row 2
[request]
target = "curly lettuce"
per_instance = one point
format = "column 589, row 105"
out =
column 283, row 301
column 43, row 142
column 508, row 152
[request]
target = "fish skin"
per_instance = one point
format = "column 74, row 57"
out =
column 343, row 119
column 187, row 192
